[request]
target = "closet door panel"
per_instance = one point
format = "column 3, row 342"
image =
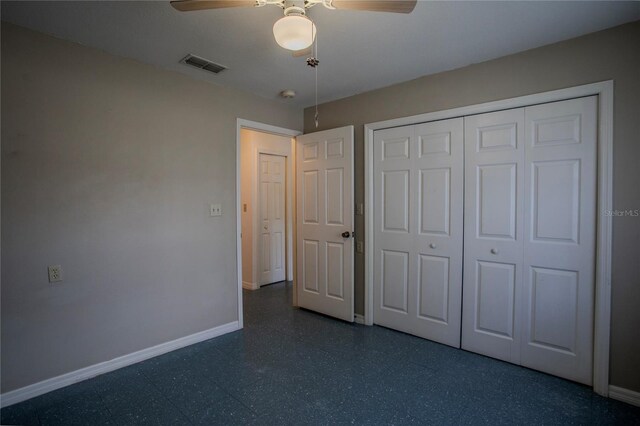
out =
column 418, row 229
column 394, row 224
column 559, row 250
column 530, row 188
column 439, row 169
column 494, row 159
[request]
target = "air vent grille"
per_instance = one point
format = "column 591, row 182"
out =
column 203, row 64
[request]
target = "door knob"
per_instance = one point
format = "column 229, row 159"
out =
column 346, row 234
column 494, row 251
column 432, row 245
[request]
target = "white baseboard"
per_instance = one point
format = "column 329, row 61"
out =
column 624, row 395
column 250, row 286
column 36, row 389
column 359, row 319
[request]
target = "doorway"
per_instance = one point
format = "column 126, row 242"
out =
column 318, row 181
column 265, row 170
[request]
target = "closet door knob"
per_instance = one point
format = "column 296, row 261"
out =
column 494, row 251
column 432, row 245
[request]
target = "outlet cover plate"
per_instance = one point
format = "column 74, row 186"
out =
column 55, row 273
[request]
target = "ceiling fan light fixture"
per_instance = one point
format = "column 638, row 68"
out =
column 294, row 32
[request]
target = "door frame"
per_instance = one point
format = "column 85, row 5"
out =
column 602, row 311
column 290, row 206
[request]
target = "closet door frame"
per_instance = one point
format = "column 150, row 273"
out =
column 602, row 311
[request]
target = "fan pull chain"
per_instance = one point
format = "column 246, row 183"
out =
column 313, row 63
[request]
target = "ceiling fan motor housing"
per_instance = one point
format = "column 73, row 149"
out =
column 294, row 7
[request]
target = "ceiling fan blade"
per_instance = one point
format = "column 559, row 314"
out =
column 303, row 52
column 394, row 6
column 189, row 5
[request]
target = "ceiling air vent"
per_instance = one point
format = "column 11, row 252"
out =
column 203, row 64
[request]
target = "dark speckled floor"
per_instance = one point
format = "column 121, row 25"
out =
column 290, row 366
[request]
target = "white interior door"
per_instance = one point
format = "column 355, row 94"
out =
column 530, row 236
column 325, row 203
column 559, row 250
column 493, row 250
column 418, row 199
column 271, row 219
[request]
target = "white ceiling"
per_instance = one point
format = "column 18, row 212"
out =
column 358, row 51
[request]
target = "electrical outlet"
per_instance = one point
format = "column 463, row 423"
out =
column 359, row 246
column 215, row 209
column 55, row 273
column 359, row 209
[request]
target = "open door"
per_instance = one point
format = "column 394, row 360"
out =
column 324, row 176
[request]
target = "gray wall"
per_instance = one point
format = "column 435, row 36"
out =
column 108, row 166
column 610, row 54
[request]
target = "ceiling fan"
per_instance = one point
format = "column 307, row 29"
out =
column 295, row 31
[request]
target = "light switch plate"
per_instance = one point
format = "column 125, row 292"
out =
column 359, row 209
column 215, row 209
column 359, row 246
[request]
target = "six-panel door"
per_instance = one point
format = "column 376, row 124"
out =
column 325, row 212
column 418, row 231
column 271, row 220
column 529, row 241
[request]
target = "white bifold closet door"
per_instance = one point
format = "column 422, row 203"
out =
column 529, row 244
column 418, row 196
column 493, row 249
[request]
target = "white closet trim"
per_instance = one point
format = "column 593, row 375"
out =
column 604, row 90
